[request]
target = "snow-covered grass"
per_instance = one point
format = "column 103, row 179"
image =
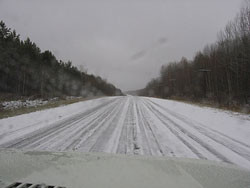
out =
column 234, row 107
column 9, row 105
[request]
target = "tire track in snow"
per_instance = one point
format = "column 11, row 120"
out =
column 113, row 142
column 223, row 139
column 53, row 141
column 91, row 129
column 39, row 134
column 128, row 143
column 185, row 132
column 103, row 139
column 145, row 143
column 150, row 127
column 122, row 146
column 132, row 125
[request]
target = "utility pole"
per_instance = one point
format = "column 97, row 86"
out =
column 205, row 76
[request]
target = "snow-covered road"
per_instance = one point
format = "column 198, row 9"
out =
column 133, row 125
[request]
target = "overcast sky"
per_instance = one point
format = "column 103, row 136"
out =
column 124, row 41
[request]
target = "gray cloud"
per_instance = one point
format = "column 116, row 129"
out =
column 101, row 35
column 143, row 53
column 138, row 55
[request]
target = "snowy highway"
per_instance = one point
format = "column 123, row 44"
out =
column 134, row 126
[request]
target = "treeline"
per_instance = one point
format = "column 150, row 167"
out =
column 220, row 73
column 26, row 71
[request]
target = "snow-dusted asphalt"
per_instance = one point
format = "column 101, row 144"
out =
column 133, row 125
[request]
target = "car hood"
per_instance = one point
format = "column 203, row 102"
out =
column 94, row 170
